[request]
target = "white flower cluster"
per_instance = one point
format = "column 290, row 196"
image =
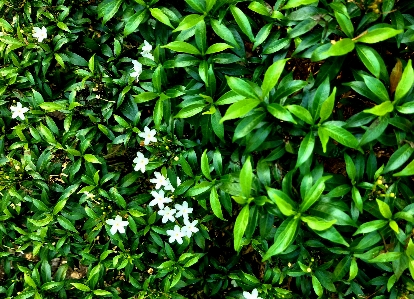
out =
column 146, row 52
column 140, row 160
column 253, row 295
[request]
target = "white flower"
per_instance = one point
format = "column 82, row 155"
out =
column 141, row 162
column 253, row 295
column 234, row 283
column 168, row 214
column 40, row 34
column 170, row 187
column 137, row 69
column 175, row 235
column 183, row 210
column 147, row 55
column 147, row 47
column 19, row 110
column 159, row 180
column 117, row 225
column 189, row 228
column 159, row 199
column 149, row 135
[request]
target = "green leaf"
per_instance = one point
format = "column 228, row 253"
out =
column 353, row 269
column 190, row 111
column 340, row 135
column 282, row 200
column 242, row 22
column 296, row 3
column 205, row 167
column 145, row 97
column 215, row 203
column 246, row 176
column 370, row 226
column 160, row 16
column 350, row 168
column 280, row 112
column 377, row 35
column 285, row 237
column 341, row 47
column 47, row 134
column 100, row 292
column 406, row 82
column 345, row 23
column 272, row 76
column 240, row 227
column 81, row 286
column 66, row 224
column 384, row 209
column 398, row 158
column 301, row 113
column 407, row 171
column 377, row 87
column 381, row 109
column 59, row 206
column 239, row 109
column 259, row 8
column 241, row 87
column 306, row 149
column 51, row 106
column 248, row 124
column 327, row 106
column 179, row 46
column 406, row 108
column 262, row 35
column 369, row 59
column 133, row 22
column 107, row 9
column 356, row 197
column 201, row 36
column 342, row 268
column 189, row 22
column 91, row 158
column 225, row 33
column 313, row 194
column 385, row 257
column 317, row 223
column 374, row 130
column 317, row 287
column 218, row 47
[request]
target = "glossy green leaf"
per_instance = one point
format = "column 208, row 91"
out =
column 188, row 22
column 246, row 177
column 239, row 109
column 317, row 223
column 406, row 82
column 345, row 23
column 282, row 200
column 306, row 149
column 280, row 112
column 385, row 257
column 399, row 157
column 332, row 235
column 161, row 16
column 190, row 111
column 107, row 9
column 205, row 167
column 369, row 59
column 179, row 46
column 356, row 197
column 301, row 113
column 370, row 226
column 242, row 87
column 407, row 171
column 313, row 194
column 317, row 287
column 340, row 135
column 242, row 21
column 296, row 3
column 272, row 76
column 381, row 109
column 328, row 106
column 377, row 35
column 215, row 203
column 377, row 87
column 240, row 227
column 341, row 47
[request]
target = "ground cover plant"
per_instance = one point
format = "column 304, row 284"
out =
column 206, row 149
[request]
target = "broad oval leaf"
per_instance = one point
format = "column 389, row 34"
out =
column 381, row 109
column 239, row 109
column 377, row 35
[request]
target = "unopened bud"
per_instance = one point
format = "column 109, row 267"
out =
column 176, row 158
column 309, row 270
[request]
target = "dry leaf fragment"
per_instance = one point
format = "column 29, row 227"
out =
column 395, row 76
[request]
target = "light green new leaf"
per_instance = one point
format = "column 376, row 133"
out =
column 345, row 24
column 406, row 82
column 91, row 158
column 224, row 32
column 317, row 223
column 377, row 35
column 381, row 109
column 280, row 112
column 353, row 270
column 259, row 8
column 350, row 168
column 179, row 46
column 190, row 111
column 340, row 135
column 384, row 209
column 406, row 108
column 51, row 106
column 356, row 197
column 246, row 176
column 239, row 109
column 161, row 16
column 385, row 257
column 327, row 106
column 241, row 87
column 215, row 203
column 189, row 22
column 407, row 171
column 240, row 227
column 272, row 75
column 317, row 287
column 296, row 3
column 218, row 47
column 282, row 201
column 285, row 237
column 242, row 21
column 301, row 113
column 398, row 158
column 341, row 47
column 313, row 194
column 262, row 35
column 370, row 226
column 205, row 167
column 306, row 149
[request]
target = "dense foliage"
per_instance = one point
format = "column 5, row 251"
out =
column 206, row 149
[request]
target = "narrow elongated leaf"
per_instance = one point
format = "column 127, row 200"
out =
column 248, row 124
column 205, row 167
column 374, row 130
column 296, row 3
column 342, row 267
column 327, row 106
column 381, row 109
column 317, row 287
column 306, row 149
column 190, row 111
column 188, row 22
column 385, row 257
column 371, row 226
column 280, row 112
column 242, row 22
column 350, row 168
column 224, row 32
column 107, row 9
column 341, row 47
column 246, row 176
column 341, row 135
column 316, row 223
column 272, row 76
column 384, row 209
column 301, row 113
column 377, row 35
column 356, row 197
column 407, row 171
column 395, row 76
column 215, row 203
column 406, row 82
column 313, row 194
column 377, row 87
column 241, row 87
column 240, row 227
column 398, row 158
column 239, row 109
column 161, row 16
column 285, row 238
column 369, row 59
column 179, row 46
column 282, row 200
column 218, row 47
column 134, row 21
column 345, row 23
